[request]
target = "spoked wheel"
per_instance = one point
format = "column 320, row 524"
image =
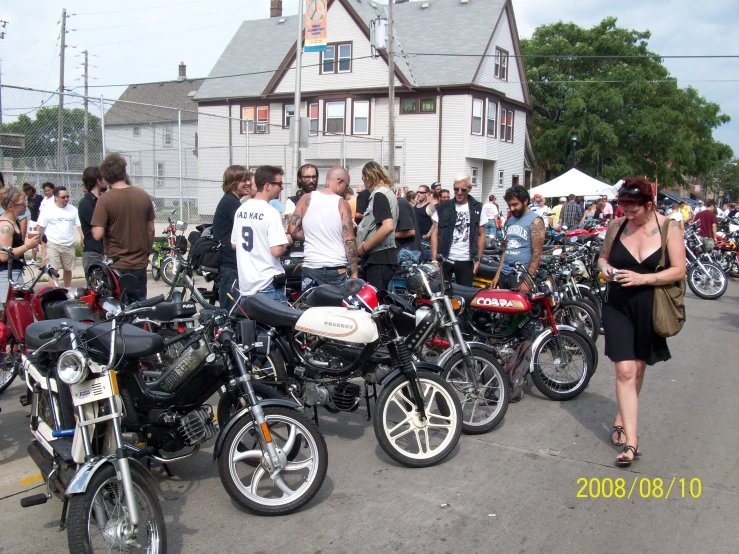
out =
column 579, row 315
column 97, row 520
column 561, row 365
column 401, row 432
column 710, row 284
column 484, row 396
column 155, row 272
column 9, row 366
column 249, row 484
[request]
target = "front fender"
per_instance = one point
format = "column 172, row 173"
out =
column 545, row 334
column 244, row 413
column 449, row 352
column 418, row 365
column 81, row 479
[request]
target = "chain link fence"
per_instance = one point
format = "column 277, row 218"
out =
column 176, row 155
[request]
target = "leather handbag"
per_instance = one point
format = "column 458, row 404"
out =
column 668, row 311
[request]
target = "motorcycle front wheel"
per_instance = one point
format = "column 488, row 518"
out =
column 484, row 397
column 249, row 484
column 561, row 365
column 167, row 270
column 155, row 272
column 97, row 518
column 710, row 284
column 580, row 315
column 399, row 429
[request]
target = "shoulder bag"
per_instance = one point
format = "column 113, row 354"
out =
column 668, row 311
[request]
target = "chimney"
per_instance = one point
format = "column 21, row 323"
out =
column 182, row 75
column 275, row 8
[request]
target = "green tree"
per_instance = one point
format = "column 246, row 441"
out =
column 630, row 115
column 41, row 132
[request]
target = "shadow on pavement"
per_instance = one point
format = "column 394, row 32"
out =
column 594, row 412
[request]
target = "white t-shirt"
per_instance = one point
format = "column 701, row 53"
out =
column 289, row 207
column 59, row 223
column 460, row 249
column 490, row 211
column 45, row 202
column 257, row 228
column 698, row 209
column 676, row 215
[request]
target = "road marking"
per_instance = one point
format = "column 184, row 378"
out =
column 32, row 480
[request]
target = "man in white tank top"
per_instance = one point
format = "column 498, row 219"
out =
column 323, row 220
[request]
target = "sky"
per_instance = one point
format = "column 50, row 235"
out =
column 145, row 40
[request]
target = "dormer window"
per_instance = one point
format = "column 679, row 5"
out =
column 337, row 58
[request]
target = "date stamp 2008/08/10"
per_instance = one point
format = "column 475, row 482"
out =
column 640, row 487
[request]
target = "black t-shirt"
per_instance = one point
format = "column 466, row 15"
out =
column 223, row 222
column 34, row 205
column 381, row 210
column 732, row 213
column 85, row 210
column 362, row 202
column 407, row 220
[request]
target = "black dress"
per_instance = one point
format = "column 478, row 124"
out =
column 627, row 313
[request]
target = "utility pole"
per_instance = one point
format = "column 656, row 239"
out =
column 60, row 122
column 296, row 101
column 85, row 116
column 3, row 23
column 391, row 90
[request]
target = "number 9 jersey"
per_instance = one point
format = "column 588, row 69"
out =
column 257, row 228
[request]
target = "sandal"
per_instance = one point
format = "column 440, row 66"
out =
column 624, row 462
column 621, row 433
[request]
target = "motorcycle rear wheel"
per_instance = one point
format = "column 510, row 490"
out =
column 395, row 411
column 493, row 392
column 10, row 366
column 709, row 286
column 562, row 365
column 580, row 315
column 250, row 485
column 105, row 497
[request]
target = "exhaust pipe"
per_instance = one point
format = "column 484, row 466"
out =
column 45, row 464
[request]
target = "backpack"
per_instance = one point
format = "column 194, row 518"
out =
column 205, row 255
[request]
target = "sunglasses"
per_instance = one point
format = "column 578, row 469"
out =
column 63, row 197
column 460, row 189
column 632, row 193
column 279, row 183
column 309, row 176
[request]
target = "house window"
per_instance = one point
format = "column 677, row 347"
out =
column 337, row 58
column 167, row 135
column 506, row 125
column 415, row 105
column 289, row 114
column 335, row 117
column 477, row 107
column 136, row 173
column 313, row 116
column 474, row 176
column 361, row 117
column 514, row 181
column 492, row 114
column 395, row 175
column 409, row 105
column 500, row 178
column 428, row 105
column 255, row 119
column 160, row 174
column 136, row 131
column 501, row 64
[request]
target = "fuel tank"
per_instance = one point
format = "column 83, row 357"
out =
column 19, row 317
column 501, row 301
column 342, row 324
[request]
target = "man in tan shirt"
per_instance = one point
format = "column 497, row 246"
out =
column 124, row 221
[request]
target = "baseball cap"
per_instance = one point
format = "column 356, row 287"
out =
column 434, row 185
column 537, row 195
column 700, row 201
column 562, row 199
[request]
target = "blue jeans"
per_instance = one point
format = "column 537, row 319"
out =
column 228, row 281
column 322, row 277
column 490, row 229
column 140, row 275
column 274, row 294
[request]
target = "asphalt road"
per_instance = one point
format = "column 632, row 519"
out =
column 514, row 489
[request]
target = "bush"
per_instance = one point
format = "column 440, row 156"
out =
column 78, row 250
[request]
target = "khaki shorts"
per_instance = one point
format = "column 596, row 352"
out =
column 60, row 257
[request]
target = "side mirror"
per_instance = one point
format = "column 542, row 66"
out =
column 128, row 283
column 181, row 225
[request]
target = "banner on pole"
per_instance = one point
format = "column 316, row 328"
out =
column 316, row 13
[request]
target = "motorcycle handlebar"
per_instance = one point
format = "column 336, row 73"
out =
column 148, row 303
column 54, row 273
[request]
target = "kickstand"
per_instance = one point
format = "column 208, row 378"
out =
column 166, row 469
column 63, row 520
column 367, row 398
column 315, row 415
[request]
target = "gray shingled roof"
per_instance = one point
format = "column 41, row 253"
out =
column 446, row 26
column 175, row 94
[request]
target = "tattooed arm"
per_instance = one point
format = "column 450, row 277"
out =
column 295, row 227
column 537, row 244
column 350, row 242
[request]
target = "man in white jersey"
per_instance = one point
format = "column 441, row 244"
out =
column 323, row 220
column 258, row 237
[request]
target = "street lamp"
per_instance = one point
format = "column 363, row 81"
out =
column 574, row 146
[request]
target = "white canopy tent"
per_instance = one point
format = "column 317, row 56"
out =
column 574, row 182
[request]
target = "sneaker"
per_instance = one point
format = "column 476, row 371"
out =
column 32, row 262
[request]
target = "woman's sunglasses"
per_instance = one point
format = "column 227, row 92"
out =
column 632, row 193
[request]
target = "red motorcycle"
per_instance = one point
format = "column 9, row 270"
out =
column 726, row 253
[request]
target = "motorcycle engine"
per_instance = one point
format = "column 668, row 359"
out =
column 197, row 426
column 339, row 397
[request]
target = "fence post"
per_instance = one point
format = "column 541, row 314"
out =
column 179, row 142
column 102, row 122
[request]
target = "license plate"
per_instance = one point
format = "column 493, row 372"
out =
column 94, row 390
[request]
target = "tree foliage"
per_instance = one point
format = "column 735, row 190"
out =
column 41, row 132
column 630, row 114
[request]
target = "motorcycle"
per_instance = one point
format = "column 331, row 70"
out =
column 417, row 417
column 163, row 248
column 706, row 278
column 726, row 253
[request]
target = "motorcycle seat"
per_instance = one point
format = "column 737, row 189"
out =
column 487, row 271
column 161, row 239
column 36, row 329
column 130, row 341
column 267, row 311
column 167, row 311
column 468, row 293
column 69, row 309
column 325, row 295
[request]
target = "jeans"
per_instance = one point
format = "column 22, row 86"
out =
column 140, row 275
column 274, row 294
column 312, row 277
column 490, row 229
column 228, row 281
column 89, row 257
column 379, row 276
column 510, row 281
column 463, row 274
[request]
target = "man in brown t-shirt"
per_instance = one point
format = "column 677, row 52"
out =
column 124, row 221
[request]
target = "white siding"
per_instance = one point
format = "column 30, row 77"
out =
column 511, row 154
column 365, row 72
column 455, row 136
column 502, row 38
column 420, row 133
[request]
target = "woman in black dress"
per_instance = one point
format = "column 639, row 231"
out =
column 629, row 259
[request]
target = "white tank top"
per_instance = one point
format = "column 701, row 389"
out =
column 324, row 237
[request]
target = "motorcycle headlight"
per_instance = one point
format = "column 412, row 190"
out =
column 72, row 367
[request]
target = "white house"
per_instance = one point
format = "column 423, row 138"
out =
column 142, row 125
column 461, row 96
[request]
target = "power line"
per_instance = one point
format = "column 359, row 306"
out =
column 581, row 56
